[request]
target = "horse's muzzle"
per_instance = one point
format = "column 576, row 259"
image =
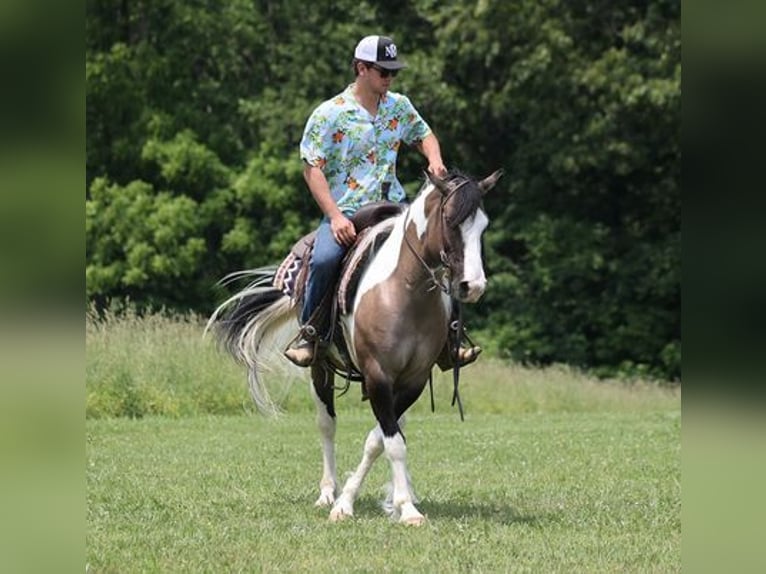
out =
column 470, row 291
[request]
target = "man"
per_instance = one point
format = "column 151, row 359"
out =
column 349, row 149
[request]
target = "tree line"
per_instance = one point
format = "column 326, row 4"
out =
column 195, row 110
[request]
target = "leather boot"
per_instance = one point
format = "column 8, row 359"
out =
column 467, row 355
column 302, row 352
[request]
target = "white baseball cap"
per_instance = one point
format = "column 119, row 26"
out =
column 379, row 50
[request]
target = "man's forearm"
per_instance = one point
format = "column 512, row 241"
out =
column 320, row 190
column 430, row 148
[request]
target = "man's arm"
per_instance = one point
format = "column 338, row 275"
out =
column 429, row 147
column 341, row 226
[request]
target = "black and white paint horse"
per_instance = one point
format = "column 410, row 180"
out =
column 395, row 329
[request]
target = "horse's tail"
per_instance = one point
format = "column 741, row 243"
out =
column 255, row 325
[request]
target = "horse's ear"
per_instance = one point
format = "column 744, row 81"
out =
column 489, row 182
column 437, row 181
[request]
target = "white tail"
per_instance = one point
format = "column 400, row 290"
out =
column 255, row 326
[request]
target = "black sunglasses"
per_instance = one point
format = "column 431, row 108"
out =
column 384, row 73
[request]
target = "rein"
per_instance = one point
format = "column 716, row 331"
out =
column 433, row 279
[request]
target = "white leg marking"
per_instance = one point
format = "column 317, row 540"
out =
column 388, row 502
column 403, row 502
column 344, row 506
column 326, row 425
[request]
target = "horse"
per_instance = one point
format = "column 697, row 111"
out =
column 395, row 327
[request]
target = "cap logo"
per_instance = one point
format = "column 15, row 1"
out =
column 391, row 51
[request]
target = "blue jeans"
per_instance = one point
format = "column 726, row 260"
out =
column 323, row 273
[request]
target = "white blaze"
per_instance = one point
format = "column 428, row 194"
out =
column 473, row 271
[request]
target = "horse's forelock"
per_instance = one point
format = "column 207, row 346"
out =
column 466, row 199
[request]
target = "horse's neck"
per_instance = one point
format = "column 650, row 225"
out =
column 404, row 257
column 421, row 221
column 394, row 259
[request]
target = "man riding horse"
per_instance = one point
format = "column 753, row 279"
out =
column 349, row 149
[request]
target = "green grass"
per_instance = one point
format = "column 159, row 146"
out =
column 160, row 365
column 585, row 492
column 551, row 471
column 157, row 365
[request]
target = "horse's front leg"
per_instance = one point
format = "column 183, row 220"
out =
column 344, row 506
column 382, row 402
column 388, row 502
column 323, row 391
column 403, row 499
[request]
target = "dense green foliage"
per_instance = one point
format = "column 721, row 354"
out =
column 195, row 111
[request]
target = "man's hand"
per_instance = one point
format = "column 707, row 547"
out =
column 343, row 230
column 437, row 168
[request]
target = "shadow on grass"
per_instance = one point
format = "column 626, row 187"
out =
column 500, row 513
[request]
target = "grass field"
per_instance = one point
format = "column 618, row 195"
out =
column 550, row 472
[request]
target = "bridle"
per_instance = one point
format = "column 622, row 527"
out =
column 444, row 255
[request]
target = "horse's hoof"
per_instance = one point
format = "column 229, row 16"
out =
column 342, row 510
column 325, row 499
column 338, row 515
column 414, row 521
column 410, row 515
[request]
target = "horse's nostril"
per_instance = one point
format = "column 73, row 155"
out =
column 463, row 287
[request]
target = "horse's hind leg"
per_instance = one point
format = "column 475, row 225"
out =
column 344, row 506
column 324, row 396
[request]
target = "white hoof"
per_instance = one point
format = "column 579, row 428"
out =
column 419, row 520
column 326, row 498
column 410, row 515
column 341, row 511
column 338, row 515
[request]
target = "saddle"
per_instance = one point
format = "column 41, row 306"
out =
column 292, row 274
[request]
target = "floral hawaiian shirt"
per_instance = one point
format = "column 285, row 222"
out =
column 356, row 151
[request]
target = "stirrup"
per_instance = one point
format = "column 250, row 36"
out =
column 306, row 334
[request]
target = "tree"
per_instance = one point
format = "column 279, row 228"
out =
column 195, row 111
